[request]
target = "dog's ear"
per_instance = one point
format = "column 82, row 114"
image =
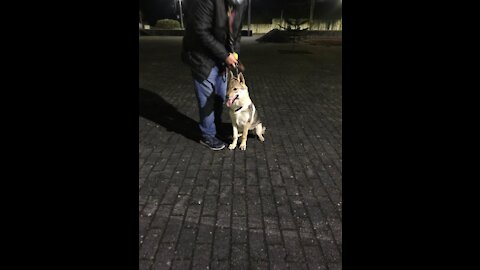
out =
column 241, row 78
column 231, row 75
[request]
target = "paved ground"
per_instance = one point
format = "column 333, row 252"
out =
column 277, row 205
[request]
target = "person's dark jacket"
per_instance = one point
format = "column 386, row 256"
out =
column 205, row 43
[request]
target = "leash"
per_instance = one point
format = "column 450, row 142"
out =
column 235, row 74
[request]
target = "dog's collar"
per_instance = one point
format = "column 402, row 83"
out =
column 249, row 106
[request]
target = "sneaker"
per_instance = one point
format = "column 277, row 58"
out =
column 224, row 137
column 212, row 142
column 224, row 132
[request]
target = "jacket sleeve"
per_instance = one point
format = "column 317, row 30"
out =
column 238, row 36
column 236, row 46
column 202, row 26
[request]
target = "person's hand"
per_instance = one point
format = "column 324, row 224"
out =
column 231, row 61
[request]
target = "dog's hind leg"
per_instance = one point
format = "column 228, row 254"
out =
column 260, row 130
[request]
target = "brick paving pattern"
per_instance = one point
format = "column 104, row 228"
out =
column 277, row 205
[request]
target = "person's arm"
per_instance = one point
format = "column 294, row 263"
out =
column 236, row 46
column 203, row 12
column 238, row 36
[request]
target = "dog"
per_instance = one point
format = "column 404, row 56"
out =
column 242, row 112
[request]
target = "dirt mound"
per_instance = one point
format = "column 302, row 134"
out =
column 275, row 35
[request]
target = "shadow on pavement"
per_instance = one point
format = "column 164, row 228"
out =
column 154, row 108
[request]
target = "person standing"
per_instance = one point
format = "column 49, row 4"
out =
column 211, row 45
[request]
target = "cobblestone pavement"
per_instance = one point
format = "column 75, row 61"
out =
column 277, row 205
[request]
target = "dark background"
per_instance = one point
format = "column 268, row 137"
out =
column 263, row 11
column 70, row 180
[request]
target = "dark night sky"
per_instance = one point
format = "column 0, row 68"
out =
column 262, row 10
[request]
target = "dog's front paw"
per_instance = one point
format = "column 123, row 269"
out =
column 243, row 146
column 232, row 146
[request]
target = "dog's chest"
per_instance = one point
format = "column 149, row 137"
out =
column 242, row 117
column 245, row 116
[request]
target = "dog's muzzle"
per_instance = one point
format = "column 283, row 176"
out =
column 230, row 101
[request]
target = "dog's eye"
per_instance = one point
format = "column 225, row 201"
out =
column 234, row 89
